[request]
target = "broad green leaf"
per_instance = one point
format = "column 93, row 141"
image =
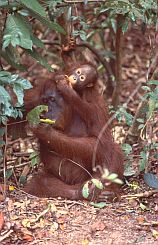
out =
column 141, row 120
column 118, row 181
column 4, row 96
column 140, row 126
column 22, row 179
column 39, row 59
column 112, row 176
column 127, row 149
column 99, row 204
column 34, row 115
column 153, row 82
column 2, row 131
column 9, row 173
column 35, row 159
column 2, row 143
column 9, row 56
column 24, row 83
column 146, row 88
column 35, row 6
column 39, row 13
column 129, row 171
column 85, row 190
column 97, row 183
column 152, row 106
column 5, row 74
column 16, row 32
column 37, row 41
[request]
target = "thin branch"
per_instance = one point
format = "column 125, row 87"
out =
column 98, row 55
column 140, row 195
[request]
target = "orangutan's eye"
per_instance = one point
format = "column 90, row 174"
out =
column 82, row 78
column 78, row 72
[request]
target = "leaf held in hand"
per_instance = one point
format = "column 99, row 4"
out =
column 33, row 116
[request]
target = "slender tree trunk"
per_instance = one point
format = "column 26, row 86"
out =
column 118, row 64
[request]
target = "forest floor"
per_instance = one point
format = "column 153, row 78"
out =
column 131, row 220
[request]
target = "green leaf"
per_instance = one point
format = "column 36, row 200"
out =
column 2, row 131
column 112, row 176
column 99, row 204
column 118, row 181
column 141, row 120
column 9, row 56
column 35, row 6
column 146, row 88
column 39, row 13
column 22, row 179
column 141, row 126
column 152, row 106
column 17, row 32
column 2, row 143
column 37, row 41
column 34, row 115
column 127, row 149
column 5, row 77
column 153, row 82
column 35, row 159
column 129, row 171
column 85, row 190
column 4, row 96
column 9, row 173
column 97, row 183
column 39, row 59
column 143, row 161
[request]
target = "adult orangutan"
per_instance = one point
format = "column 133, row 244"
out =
column 67, row 147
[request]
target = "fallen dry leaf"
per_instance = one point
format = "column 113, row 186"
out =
column 26, row 223
column 85, row 242
column 140, row 219
column 2, row 198
column 155, row 233
column 27, row 238
column 98, row 226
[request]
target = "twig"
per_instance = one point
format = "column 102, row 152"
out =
column 4, row 160
column 98, row 55
column 142, row 194
column 6, row 235
column 17, row 166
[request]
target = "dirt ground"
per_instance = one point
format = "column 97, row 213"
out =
column 131, row 220
column 65, row 222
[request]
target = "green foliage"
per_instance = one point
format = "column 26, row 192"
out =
column 129, row 171
column 144, row 155
column 34, row 115
column 144, row 10
column 99, row 204
column 18, row 31
column 17, row 85
column 127, row 149
column 85, row 190
column 35, row 159
column 122, row 115
column 112, row 177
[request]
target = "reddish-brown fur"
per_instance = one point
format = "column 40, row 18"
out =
column 67, row 152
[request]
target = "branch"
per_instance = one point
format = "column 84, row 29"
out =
column 98, row 55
